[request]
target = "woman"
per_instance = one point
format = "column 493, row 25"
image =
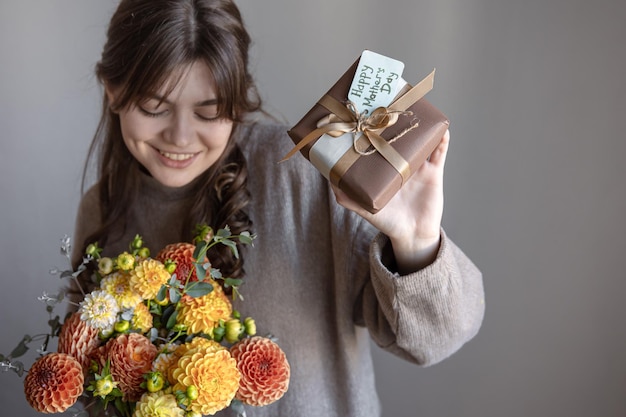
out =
column 177, row 146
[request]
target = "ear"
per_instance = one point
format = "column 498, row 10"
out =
column 111, row 94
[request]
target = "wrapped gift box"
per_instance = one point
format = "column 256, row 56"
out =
column 358, row 168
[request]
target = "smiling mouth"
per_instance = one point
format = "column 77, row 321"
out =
column 177, row 156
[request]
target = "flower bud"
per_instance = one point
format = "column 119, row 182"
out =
column 104, row 387
column 143, row 252
column 93, row 250
column 137, row 242
column 233, row 330
column 105, row 266
column 249, row 326
column 192, row 392
column 155, row 382
column 170, row 266
column 122, row 326
column 179, row 327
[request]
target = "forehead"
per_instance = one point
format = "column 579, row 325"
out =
column 188, row 82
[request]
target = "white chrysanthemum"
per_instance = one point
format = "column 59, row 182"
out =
column 99, row 309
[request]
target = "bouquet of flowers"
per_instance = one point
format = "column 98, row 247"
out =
column 156, row 337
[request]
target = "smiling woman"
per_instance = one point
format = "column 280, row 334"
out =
column 178, row 136
column 182, row 141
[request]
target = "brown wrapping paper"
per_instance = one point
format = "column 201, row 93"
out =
column 371, row 181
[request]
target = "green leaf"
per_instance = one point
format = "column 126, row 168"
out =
column 173, row 280
column 233, row 247
column 174, row 295
column 167, row 313
column 198, row 289
column 200, row 250
column 200, row 272
column 162, row 293
column 246, row 238
column 172, row 320
column 216, row 273
column 18, row 367
column 20, row 349
column 156, row 309
column 66, row 274
column 223, row 233
column 233, row 282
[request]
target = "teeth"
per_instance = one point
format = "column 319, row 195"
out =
column 177, row 156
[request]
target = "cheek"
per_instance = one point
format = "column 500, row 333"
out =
column 218, row 135
column 136, row 129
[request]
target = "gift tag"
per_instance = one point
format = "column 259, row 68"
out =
column 377, row 80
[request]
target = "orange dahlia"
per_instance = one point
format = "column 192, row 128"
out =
column 130, row 357
column 202, row 314
column 264, row 370
column 182, row 254
column 213, row 372
column 78, row 339
column 54, row 383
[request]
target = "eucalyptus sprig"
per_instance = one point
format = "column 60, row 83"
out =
column 205, row 240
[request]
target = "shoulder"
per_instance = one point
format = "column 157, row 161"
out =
column 265, row 137
column 265, row 144
column 90, row 202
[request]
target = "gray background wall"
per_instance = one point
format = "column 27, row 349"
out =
column 534, row 183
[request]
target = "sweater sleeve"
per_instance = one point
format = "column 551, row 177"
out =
column 426, row 316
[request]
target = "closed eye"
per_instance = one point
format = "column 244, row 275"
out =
column 152, row 113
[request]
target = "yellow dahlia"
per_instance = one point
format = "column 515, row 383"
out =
column 174, row 353
column 148, row 277
column 202, row 314
column 158, row 404
column 213, row 372
column 118, row 285
column 125, row 261
column 78, row 339
column 99, row 309
column 130, row 357
column 264, row 371
column 142, row 319
column 54, row 383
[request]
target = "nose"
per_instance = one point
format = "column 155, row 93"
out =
column 180, row 130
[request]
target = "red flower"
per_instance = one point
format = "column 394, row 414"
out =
column 130, row 357
column 78, row 339
column 264, row 371
column 54, row 383
column 182, row 254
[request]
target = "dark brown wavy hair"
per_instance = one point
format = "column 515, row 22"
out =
column 148, row 42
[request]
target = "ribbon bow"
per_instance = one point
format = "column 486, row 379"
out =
column 345, row 118
column 368, row 124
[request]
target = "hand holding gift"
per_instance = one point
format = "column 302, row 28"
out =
column 412, row 218
column 369, row 135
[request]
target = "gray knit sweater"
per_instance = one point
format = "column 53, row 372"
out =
column 317, row 280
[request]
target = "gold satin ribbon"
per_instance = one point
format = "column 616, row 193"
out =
column 345, row 118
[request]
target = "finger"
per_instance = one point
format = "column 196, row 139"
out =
column 438, row 156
